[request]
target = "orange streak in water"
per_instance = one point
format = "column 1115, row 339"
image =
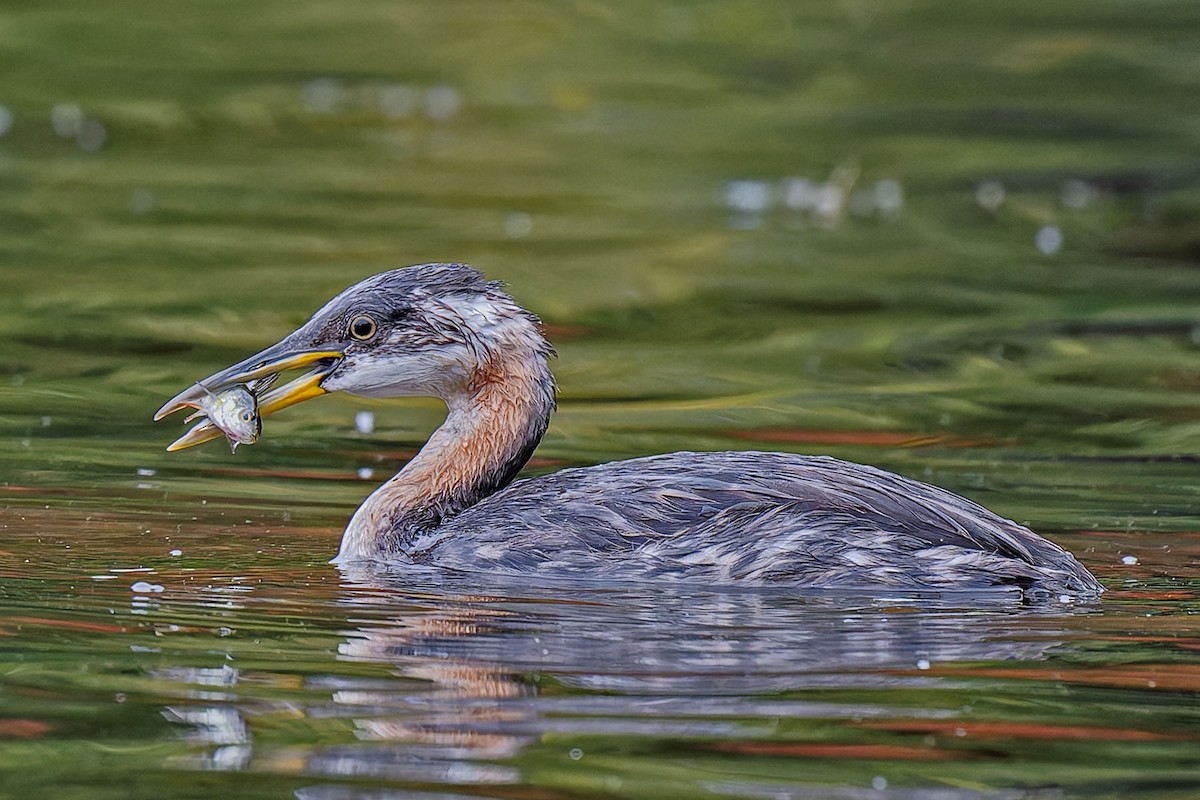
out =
column 1023, row 730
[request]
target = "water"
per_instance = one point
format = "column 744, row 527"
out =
column 951, row 240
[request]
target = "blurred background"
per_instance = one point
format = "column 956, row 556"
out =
column 842, row 228
column 956, row 240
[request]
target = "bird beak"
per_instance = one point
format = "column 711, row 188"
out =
column 262, row 368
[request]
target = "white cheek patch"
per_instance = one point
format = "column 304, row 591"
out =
column 443, row 368
column 426, row 374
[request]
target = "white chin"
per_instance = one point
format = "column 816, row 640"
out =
column 402, row 376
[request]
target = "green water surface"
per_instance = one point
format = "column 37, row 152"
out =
column 998, row 293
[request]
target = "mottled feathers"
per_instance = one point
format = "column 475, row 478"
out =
column 750, row 517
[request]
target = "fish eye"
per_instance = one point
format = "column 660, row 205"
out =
column 247, row 416
column 363, row 327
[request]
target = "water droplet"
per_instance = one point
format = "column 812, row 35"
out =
column 145, row 587
column 1078, row 194
column 923, row 663
column 1049, row 240
column 145, row 472
column 364, row 422
column 749, row 196
column 366, row 473
column 575, row 754
column 1129, row 560
column 92, row 136
column 889, row 197
column 990, row 195
column 442, row 103
column 66, row 119
column 518, row 225
column 176, row 552
column 879, row 783
column 829, row 202
column 322, row 95
column 799, row 194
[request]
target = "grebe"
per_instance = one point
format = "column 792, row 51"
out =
column 443, row 330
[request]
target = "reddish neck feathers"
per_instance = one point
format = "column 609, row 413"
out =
column 493, row 425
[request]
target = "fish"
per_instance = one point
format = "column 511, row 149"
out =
column 234, row 411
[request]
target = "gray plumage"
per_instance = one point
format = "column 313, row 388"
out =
column 749, row 517
column 442, row 330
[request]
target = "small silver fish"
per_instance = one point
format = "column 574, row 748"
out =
column 234, row 411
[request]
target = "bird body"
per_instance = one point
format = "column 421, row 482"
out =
column 748, row 517
column 442, row 330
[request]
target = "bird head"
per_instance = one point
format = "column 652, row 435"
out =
column 427, row 330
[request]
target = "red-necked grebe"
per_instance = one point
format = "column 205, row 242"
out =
column 442, row 330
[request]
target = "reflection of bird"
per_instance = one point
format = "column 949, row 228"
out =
column 442, row 330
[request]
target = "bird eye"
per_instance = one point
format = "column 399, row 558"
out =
column 363, row 327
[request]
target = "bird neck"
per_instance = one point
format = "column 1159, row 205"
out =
column 491, row 429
